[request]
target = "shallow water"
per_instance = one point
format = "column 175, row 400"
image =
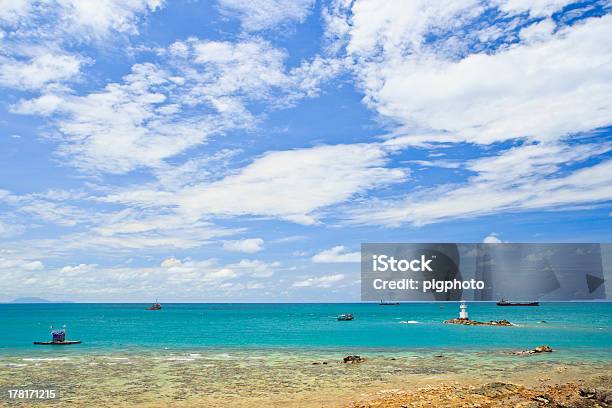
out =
column 269, row 378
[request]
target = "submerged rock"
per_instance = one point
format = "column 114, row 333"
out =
column 539, row 349
column 352, row 359
column 468, row 322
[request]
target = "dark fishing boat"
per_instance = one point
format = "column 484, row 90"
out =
column 58, row 338
column 505, row 302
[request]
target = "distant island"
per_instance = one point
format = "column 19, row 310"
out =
column 37, row 300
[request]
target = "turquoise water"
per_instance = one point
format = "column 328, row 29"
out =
column 579, row 327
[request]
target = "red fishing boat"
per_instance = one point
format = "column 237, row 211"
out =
column 155, row 306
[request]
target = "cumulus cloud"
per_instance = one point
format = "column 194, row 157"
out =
column 337, row 254
column 525, row 77
column 38, row 71
column 100, row 131
column 492, row 238
column 98, row 19
column 256, row 268
column 73, row 270
column 84, row 20
column 249, row 246
column 325, row 281
column 171, row 278
column 13, row 266
column 533, row 7
column 196, row 89
column 40, row 34
column 503, row 95
column 263, row 14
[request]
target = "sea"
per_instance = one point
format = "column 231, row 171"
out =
column 582, row 329
column 289, row 355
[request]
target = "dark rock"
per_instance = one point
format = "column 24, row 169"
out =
column 537, row 350
column 600, row 394
column 353, row 359
column 468, row 322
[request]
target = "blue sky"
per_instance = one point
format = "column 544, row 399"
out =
column 241, row 151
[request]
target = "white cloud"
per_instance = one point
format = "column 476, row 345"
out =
column 319, row 282
column 337, row 254
column 527, row 90
column 290, row 238
column 492, row 238
column 12, row 10
column 534, row 7
column 170, row 262
column 85, row 20
column 443, row 73
column 9, row 228
column 38, row 35
column 249, row 246
column 256, row 268
column 524, row 178
column 46, row 208
column 77, row 269
column 37, row 72
column 173, row 278
column 514, row 89
column 263, row 14
column 11, row 264
column 540, row 31
column 101, row 131
column 188, row 271
column 291, row 184
column 99, row 18
column 197, row 89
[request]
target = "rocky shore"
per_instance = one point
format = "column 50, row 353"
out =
column 469, row 322
column 596, row 393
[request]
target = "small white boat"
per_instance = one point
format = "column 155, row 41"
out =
column 345, row 317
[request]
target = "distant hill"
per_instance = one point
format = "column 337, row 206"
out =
column 37, row 300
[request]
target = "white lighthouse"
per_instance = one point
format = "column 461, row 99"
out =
column 463, row 314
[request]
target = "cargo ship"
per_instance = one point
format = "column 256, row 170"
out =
column 505, row 302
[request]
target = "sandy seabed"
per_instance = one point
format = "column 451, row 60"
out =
column 306, row 379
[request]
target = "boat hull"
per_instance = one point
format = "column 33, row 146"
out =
column 57, row 343
column 518, row 303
